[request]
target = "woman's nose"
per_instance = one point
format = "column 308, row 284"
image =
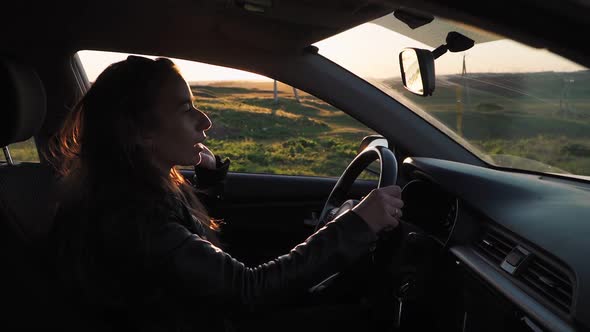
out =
column 203, row 123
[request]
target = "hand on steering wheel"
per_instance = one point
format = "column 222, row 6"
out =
column 381, row 209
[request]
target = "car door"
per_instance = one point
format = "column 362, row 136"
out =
column 266, row 215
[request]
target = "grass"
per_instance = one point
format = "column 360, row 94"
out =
column 557, row 154
column 288, row 137
column 24, row 151
column 294, row 156
column 534, row 121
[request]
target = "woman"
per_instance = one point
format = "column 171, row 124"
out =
column 135, row 246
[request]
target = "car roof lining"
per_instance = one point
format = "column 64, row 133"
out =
column 287, row 26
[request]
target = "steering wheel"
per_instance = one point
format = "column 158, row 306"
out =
column 337, row 202
column 405, row 255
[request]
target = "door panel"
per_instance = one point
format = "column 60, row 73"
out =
column 265, row 215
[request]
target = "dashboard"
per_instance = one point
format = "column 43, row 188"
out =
column 430, row 208
column 521, row 237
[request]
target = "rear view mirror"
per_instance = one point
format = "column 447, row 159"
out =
column 417, row 69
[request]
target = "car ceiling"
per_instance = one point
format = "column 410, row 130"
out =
column 167, row 27
column 155, row 26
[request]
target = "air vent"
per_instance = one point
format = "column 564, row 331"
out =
column 495, row 246
column 550, row 282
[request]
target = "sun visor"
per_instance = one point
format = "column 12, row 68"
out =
column 435, row 33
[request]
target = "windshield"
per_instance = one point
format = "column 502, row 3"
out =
column 512, row 105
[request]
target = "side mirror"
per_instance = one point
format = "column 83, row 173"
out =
column 417, row 69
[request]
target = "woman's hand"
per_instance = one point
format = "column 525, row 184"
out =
column 205, row 158
column 381, row 208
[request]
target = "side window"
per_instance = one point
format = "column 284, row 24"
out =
column 262, row 125
column 294, row 134
column 22, row 151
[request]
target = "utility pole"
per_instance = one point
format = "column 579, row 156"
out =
column 296, row 95
column 564, row 102
column 276, row 93
column 459, row 93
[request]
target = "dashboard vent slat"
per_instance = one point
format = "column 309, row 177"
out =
column 550, row 282
column 555, row 274
column 501, row 241
column 495, row 246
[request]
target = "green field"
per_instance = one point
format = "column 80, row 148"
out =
column 533, row 121
column 260, row 135
column 23, row 151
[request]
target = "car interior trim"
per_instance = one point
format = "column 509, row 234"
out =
column 506, row 287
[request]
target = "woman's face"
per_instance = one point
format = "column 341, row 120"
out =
column 180, row 127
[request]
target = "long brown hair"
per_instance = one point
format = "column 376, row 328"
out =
column 98, row 151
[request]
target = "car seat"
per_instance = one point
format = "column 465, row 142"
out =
column 27, row 205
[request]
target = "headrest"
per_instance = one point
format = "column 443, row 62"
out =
column 24, row 105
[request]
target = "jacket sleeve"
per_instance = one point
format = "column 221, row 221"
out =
column 201, row 271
